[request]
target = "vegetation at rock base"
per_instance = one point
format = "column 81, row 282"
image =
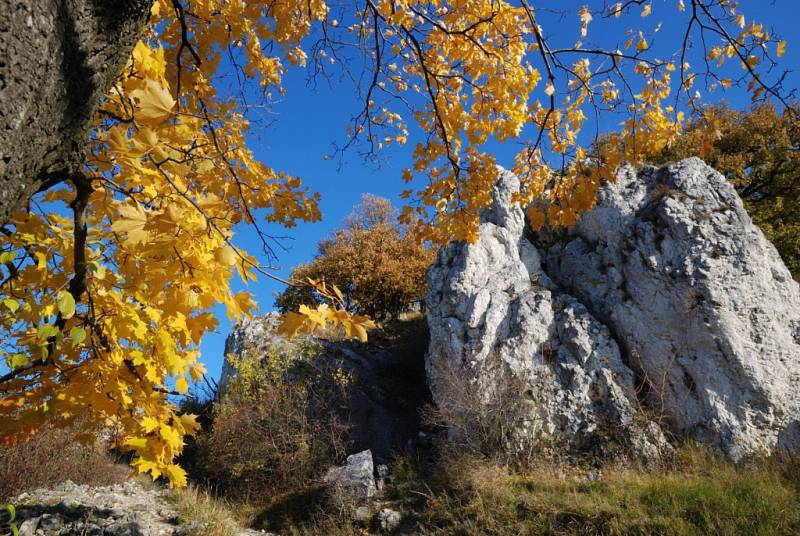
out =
column 211, row 515
column 464, row 494
column 258, row 460
column 759, row 152
column 378, row 263
column 52, row 456
column 275, row 429
column 700, row 494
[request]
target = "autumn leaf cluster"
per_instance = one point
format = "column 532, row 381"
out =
column 378, row 264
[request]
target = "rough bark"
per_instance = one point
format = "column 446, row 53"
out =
column 57, row 59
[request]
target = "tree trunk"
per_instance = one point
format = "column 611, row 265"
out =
column 57, row 59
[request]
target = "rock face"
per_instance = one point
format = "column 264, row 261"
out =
column 706, row 309
column 496, row 319
column 664, row 301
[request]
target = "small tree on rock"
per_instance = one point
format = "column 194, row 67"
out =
column 378, row 263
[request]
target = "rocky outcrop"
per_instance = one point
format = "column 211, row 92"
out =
column 496, row 320
column 706, row 310
column 664, row 304
column 127, row 509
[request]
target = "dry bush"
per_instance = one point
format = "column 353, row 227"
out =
column 493, row 428
column 275, row 430
column 53, row 456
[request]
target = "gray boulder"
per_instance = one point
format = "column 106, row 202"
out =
column 354, row 481
column 665, row 307
column 706, row 310
column 389, row 520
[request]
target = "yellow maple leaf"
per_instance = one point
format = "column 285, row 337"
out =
column 291, row 324
column 132, row 221
column 176, row 476
column 181, row 385
column 781, row 48
column 189, row 423
column 154, row 102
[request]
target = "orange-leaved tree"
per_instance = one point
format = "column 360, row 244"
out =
column 110, row 274
column 378, row 264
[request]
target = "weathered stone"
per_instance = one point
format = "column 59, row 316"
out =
column 68, row 508
column 362, row 514
column 702, row 303
column 389, row 520
column 29, row 526
column 354, row 481
column 665, row 297
column 496, row 320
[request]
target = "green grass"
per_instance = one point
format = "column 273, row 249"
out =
column 701, row 495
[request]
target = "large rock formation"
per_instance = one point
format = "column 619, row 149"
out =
column 664, row 304
column 497, row 320
column 57, row 59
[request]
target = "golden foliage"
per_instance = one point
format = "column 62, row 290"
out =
column 379, row 264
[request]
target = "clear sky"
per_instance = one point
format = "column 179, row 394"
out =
column 304, row 126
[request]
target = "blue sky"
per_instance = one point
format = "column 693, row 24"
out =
column 306, row 123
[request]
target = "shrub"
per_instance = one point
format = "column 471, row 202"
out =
column 52, row 456
column 276, row 427
column 493, row 428
column 377, row 263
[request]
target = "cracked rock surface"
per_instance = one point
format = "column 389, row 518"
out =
column 121, row 509
column 665, row 297
column 127, row 509
column 708, row 312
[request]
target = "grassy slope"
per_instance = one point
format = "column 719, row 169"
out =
column 700, row 495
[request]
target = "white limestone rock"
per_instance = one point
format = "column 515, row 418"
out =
column 702, row 302
column 354, row 481
column 494, row 319
column 253, row 335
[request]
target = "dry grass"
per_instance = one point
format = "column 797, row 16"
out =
column 701, row 494
column 206, row 514
column 51, row 457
